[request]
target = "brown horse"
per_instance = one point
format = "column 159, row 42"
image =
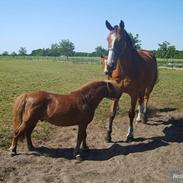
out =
column 136, row 69
column 75, row 108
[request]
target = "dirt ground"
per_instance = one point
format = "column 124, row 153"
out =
column 156, row 155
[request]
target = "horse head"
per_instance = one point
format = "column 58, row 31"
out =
column 116, row 45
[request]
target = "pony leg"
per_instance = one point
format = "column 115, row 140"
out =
column 18, row 133
column 85, row 147
column 80, row 138
column 28, row 136
column 131, row 116
column 113, row 109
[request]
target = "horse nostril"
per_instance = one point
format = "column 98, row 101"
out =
column 106, row 72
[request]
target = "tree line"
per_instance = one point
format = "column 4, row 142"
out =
column 67, row 48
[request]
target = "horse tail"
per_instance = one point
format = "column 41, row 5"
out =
column 18, row 110
column 156, row 69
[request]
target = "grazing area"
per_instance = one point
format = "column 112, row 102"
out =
column 154, row 156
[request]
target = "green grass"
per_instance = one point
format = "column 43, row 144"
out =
column 19, row 76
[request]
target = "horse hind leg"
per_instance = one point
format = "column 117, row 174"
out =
column 146, row 99
column 140, row 114
column 131, row 114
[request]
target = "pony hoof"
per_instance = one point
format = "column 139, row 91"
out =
column 78, row 157
column 129, row 139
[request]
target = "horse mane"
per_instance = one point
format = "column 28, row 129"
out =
column 128, row 40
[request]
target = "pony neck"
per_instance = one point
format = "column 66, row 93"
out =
column 94, row 93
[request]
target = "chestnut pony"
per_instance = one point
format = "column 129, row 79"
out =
column 137, row 70
column 75, row 108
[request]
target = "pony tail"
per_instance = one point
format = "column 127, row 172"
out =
column 18, row 109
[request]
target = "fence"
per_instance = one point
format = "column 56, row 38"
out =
column 89, row 60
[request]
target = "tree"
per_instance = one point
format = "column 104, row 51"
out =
column 171, row 52
column 5, row 53
column 55, row 50
column 135, row 40
column 100, row 51
column 66, row 48
column 22, row 51
column 166, row 50
column 13, row 53
column 38, row 52
column 162, row 50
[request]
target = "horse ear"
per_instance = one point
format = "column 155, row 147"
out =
column 109, row 26
column 102, row 56
column 122, row 25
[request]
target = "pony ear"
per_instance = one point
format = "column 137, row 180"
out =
column 122, row 25
column 109, row 26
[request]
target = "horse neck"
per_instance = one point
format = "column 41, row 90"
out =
column 94, row 94
column 129, row 63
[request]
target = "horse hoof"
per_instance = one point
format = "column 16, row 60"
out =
column 78, row 157
column 129, row 139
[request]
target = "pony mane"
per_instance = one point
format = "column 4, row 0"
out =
column 88, row 85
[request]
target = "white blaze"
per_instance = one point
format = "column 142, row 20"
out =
column 113, row 37
column 105, row 65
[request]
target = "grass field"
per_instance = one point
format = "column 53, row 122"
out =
column 19, row 76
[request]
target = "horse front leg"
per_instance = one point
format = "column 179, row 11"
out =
column 113, row 109
column 131, row 116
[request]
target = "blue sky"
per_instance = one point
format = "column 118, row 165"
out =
column 39, row 23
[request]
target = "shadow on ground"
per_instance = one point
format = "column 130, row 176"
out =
column 155, row 112
column 173, row 132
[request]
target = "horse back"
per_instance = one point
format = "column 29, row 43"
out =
column 149, row 67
